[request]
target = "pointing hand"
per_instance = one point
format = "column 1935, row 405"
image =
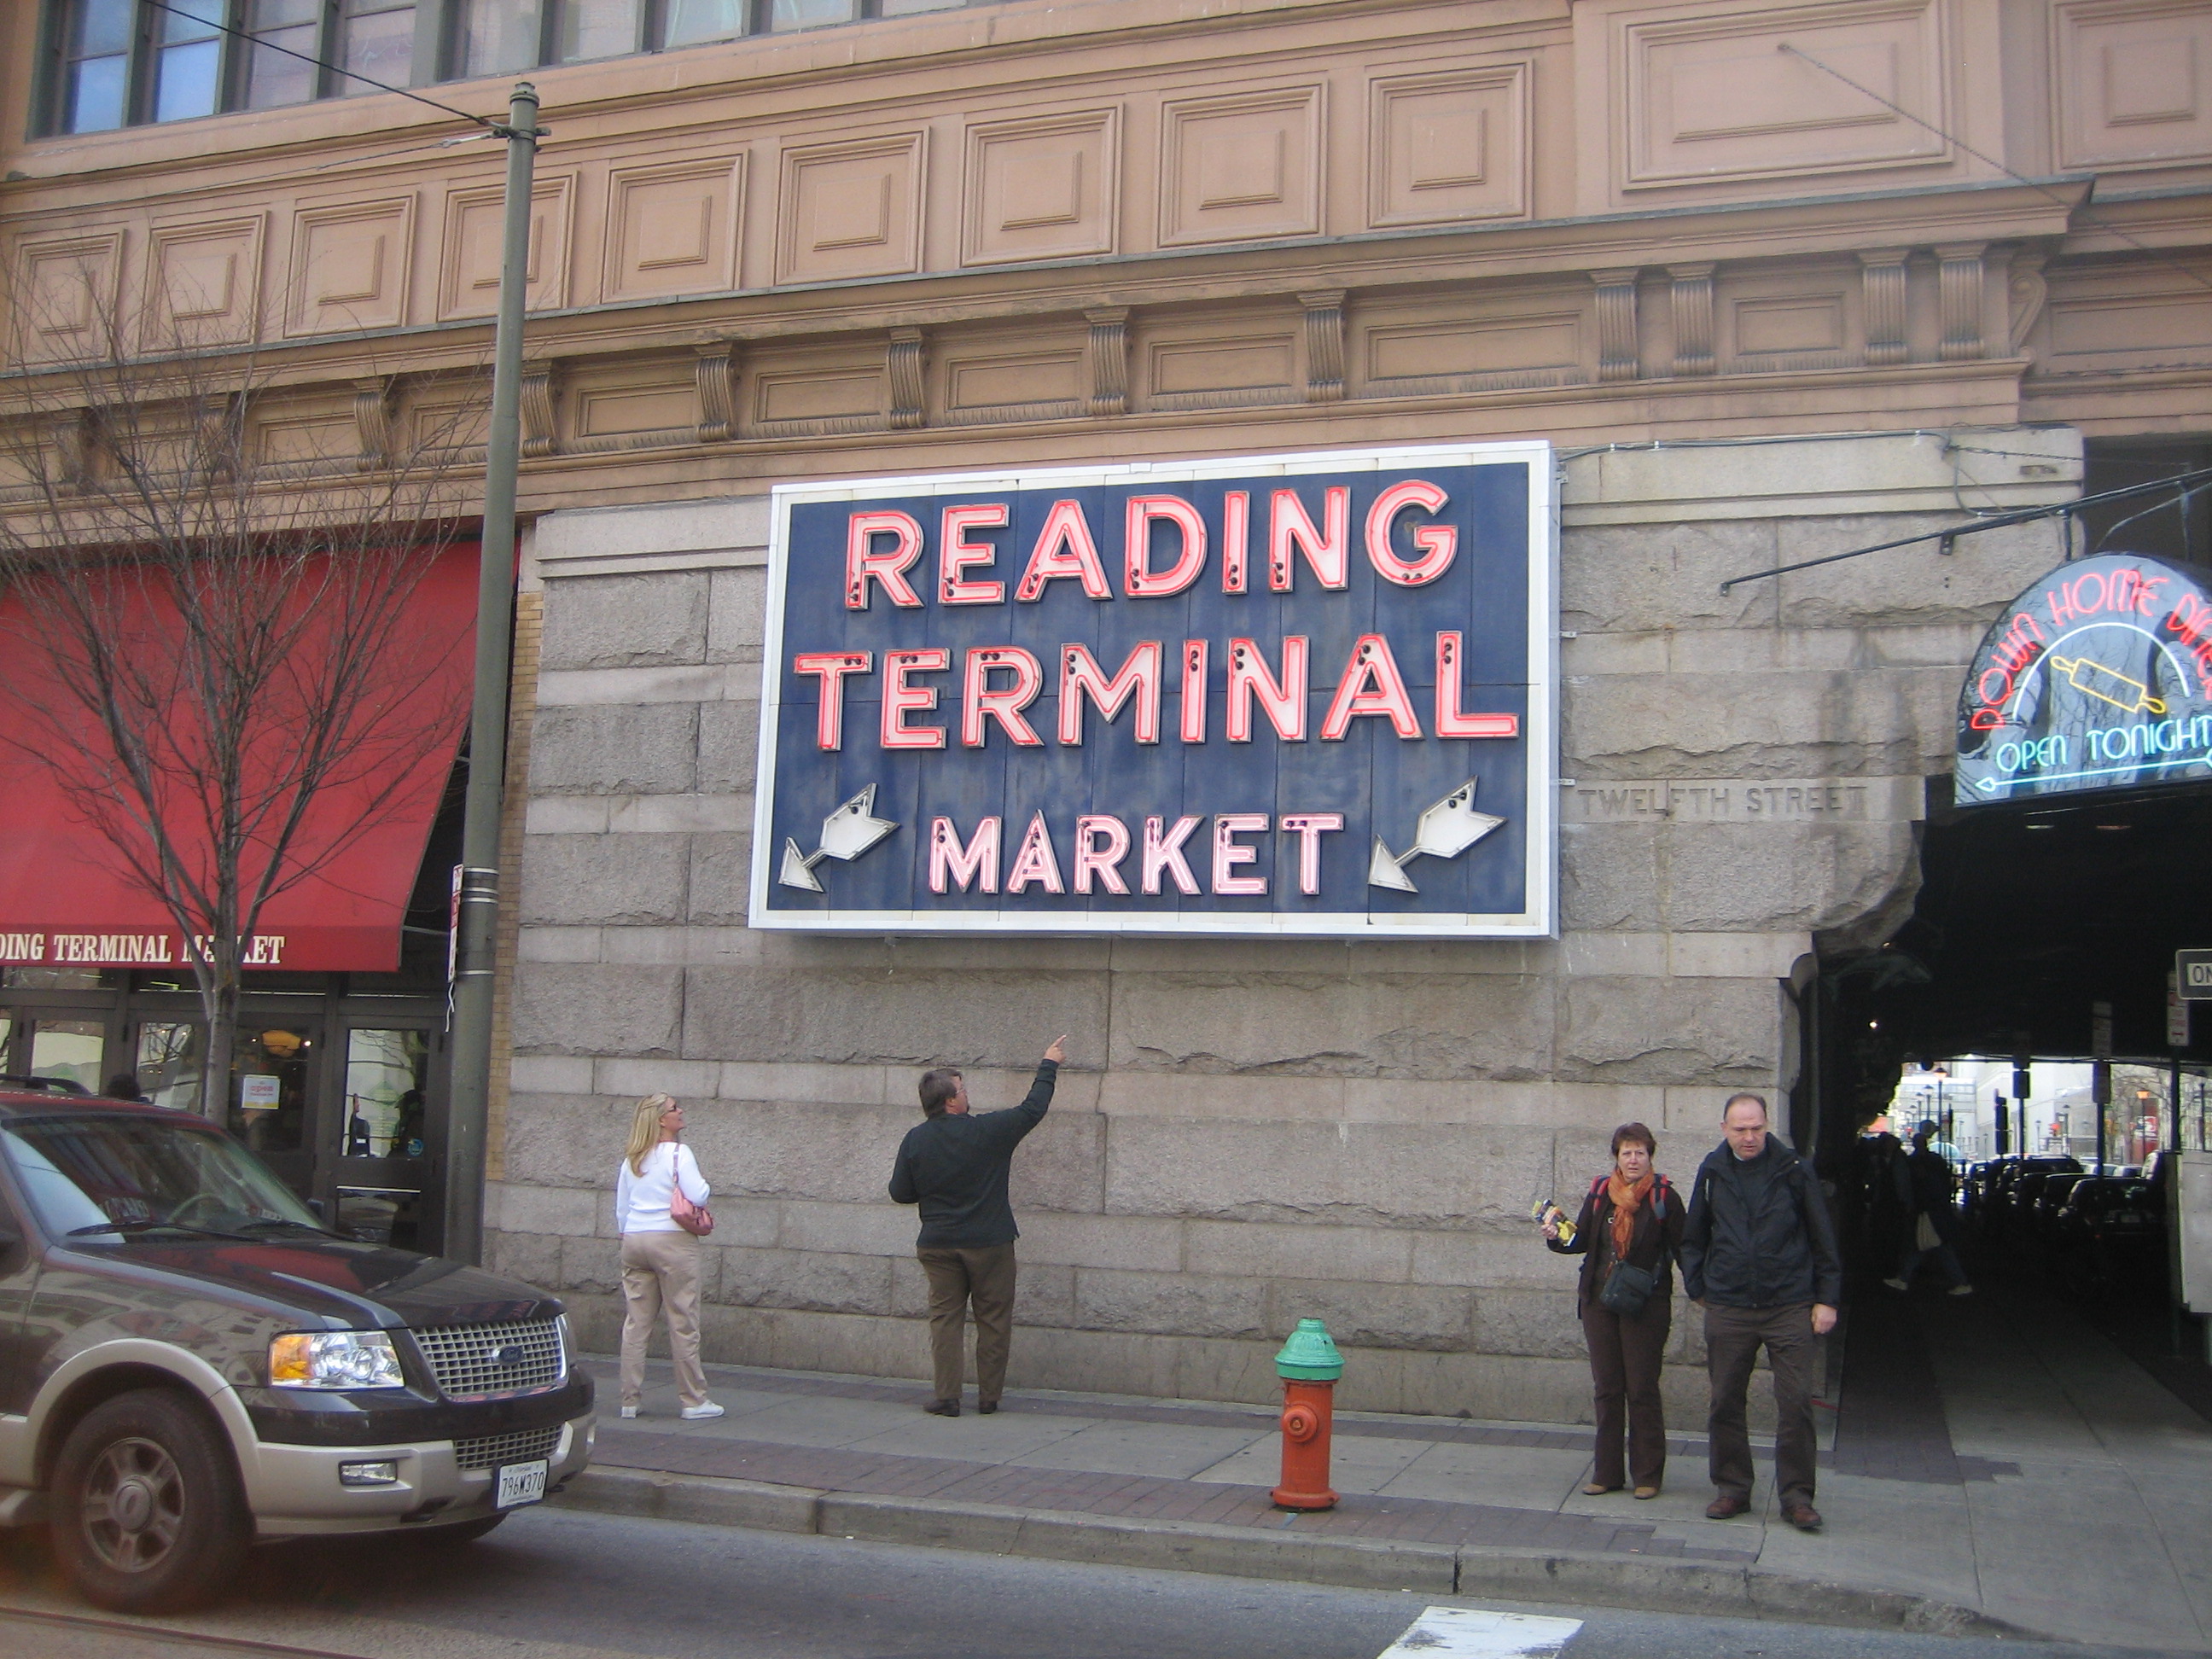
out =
column 1058, row 1052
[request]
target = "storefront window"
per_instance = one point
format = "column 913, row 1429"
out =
column 169, row 1062
column 385, row 1072
column 70, row 1048
column 268, row 1089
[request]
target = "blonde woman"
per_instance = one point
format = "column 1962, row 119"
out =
column 659, row 1260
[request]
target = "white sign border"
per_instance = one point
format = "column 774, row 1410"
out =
column 1538, row 920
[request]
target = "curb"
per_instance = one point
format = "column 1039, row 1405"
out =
column 1645, row 1583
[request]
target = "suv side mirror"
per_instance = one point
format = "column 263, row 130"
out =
column 316, row 1204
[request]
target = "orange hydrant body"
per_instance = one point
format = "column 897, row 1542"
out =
column 1308, row 1411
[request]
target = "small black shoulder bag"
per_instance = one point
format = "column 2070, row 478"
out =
column 1628, row 1289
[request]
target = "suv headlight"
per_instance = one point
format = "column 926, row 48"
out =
column 334, row 1359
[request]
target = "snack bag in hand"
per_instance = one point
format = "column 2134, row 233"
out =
column 1544, row 1209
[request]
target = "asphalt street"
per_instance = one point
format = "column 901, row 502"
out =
column 558, row 1584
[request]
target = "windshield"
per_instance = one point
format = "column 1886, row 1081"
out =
column 103, row 1178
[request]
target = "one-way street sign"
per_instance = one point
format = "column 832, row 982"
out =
column 2192, row 972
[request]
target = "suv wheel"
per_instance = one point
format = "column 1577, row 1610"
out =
column 147, row 1517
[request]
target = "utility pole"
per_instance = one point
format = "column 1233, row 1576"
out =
column 476, row 881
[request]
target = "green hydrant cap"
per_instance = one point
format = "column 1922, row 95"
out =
column 1310, row 1355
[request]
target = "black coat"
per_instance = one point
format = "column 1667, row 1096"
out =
column 1756, row 1234
column 1657, row 1225
column 955, row 1168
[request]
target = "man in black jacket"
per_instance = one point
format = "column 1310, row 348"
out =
column 1758, row 1253
column 954, row 1166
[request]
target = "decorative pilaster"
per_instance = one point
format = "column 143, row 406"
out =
column 537, row 407
column 1693, row 301
column 1324, row 344
column 372, row 421
column 1107, row 357
column 1616, row 323
column 1881, row 288
column 906, row 378
column 715, row 370
column 2025, row 289
column 1959, row 297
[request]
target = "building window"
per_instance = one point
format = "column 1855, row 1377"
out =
column 126, row 63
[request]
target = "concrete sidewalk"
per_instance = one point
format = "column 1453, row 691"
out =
column 1992, row 1467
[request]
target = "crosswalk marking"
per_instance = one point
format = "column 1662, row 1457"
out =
column 1473, row 1633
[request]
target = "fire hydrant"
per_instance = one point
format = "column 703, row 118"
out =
column 1308, row 1365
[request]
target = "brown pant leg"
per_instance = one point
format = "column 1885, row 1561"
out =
column 1732, row 1336
column 947, row 1272
column 1642, row 1350
column 1602, row 1332
column 991, row 1277
column 1790, row 1346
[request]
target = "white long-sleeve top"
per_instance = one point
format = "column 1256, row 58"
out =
column 642, row 1200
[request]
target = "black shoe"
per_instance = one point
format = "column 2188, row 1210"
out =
column 985, row 1407
column 1803, row 1516
column 943, row 1408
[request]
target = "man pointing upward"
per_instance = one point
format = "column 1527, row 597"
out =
column 954, row 1164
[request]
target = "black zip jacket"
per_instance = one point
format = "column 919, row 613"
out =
column 1657, row 1226
column 1756, row 1234
column 955, row 1167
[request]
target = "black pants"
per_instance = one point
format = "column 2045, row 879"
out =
column 1733, row 1339
column 1625, row 1357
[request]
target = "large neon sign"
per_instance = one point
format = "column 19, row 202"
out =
column 1297, row 695
column 2099, row 677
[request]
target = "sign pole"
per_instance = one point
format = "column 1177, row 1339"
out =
column 477, row 920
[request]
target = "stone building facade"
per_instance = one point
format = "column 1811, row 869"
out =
column 1776, row 281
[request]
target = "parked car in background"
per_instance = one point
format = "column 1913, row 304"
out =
column 2111, row 1232
column 190, row 1361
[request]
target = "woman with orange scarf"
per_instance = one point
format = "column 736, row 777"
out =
column 1631, row 1216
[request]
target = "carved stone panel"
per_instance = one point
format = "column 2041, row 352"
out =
column 2134, row 82
column 618, row 408
column 1044, row 383
column 793, row 392
column 1043, row 188
column 69, row 289
column 672, row 229
column 351, row 263
column 1447, row 148
column 1235, row 169
column 1526, row 344
column 851, row 210
column 204, row 281
column 1715, row 97
column 469, row 260
column 1771, row 333
column 1217, row 373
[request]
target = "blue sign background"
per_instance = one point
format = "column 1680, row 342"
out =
column 1496, row 592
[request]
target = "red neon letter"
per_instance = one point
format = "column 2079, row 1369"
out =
column 1288, row 526
column 1090, row 859
column 1371, row 685
column 956, row 553
column 899, row 697
column 1285, row 700
column 831, row 666
column 978, row 861
column 1165, row 852
column 1064, row 548
column 1081, row 677
column 1035, row 860
column 1228, row 853
column 1143, row 582
column 1236, row 539
column 1451, row 722
column 889, row 567
column 1309, row 827
column 1193, row 691
column 1005, row 704
column 1438, row 543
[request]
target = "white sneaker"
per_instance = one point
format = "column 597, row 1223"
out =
column 1897, row 1283
column 701, row 1412
column 629, row 1410
column 1962, row 1290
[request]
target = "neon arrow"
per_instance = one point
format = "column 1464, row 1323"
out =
column 846, row 833
column 1444, row 832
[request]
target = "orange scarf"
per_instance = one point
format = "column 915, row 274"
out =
column 1627, row 1198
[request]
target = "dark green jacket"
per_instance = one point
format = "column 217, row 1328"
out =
column 955, row 1168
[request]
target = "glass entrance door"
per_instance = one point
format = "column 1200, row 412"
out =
column 273, row 1093
column 383, row 1169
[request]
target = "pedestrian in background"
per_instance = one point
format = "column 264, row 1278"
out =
column 659, row 1255
column 954, row 1164
column 1758, row 1253
column 1928, row 1191
column 1631, row 1220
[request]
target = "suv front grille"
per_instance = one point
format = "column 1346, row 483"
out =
column 523, row 1446
column 488, row 1362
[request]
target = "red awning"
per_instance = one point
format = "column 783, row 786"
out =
column 67, row 898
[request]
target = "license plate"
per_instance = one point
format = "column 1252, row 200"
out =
column 520, row 1483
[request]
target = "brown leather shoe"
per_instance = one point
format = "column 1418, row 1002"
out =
column 985, row 1407
column 1803, row 1516
column 1647, row 1492
column 1598, row 1489
column 943, row 1408
column 1727, row 1506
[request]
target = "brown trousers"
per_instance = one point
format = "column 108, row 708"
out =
column 1733, row 1339
column 660, row 1271
column 955, row 1277
column 1625, row 1357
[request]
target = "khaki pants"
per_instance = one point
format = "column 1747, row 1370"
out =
column 986, row 1276
column 1734, row 1337
column 661, row 1270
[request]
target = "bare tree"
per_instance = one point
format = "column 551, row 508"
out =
column 227, row 630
